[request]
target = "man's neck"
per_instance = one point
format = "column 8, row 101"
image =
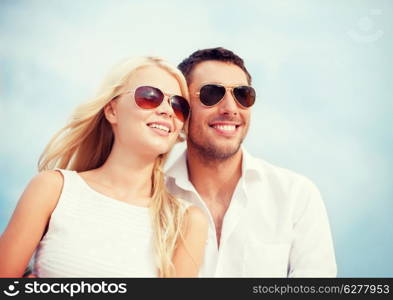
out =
column 214, row 179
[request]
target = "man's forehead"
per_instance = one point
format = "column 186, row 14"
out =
column 217, row 72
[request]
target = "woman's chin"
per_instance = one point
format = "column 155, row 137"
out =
column 156, row 150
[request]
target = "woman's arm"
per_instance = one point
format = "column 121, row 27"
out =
column 28, row 222
column 189, row 252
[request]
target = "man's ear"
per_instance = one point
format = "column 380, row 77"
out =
column 110, row 111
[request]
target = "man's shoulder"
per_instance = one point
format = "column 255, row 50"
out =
column 286, row 185
column 280, row 175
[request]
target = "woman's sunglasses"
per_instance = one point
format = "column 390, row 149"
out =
column 211, row 94
column 148, row 97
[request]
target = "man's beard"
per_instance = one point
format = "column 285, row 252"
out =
column 210, row 152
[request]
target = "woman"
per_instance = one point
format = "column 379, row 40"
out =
column 99, row 206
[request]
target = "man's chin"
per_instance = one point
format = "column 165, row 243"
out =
column 213, row 148
column 221, row 152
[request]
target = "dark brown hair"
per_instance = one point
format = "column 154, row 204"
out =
column 219, row 54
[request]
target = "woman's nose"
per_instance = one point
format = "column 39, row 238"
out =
column 165, row 108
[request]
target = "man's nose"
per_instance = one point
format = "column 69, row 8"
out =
column 228, row 104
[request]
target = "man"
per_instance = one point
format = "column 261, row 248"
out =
column 265, row 221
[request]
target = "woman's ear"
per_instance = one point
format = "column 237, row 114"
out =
column 110, row 111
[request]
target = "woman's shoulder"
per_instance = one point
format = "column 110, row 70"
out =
column 194, row 215
column 45, row 187
column 51, row 179
column 43, row 192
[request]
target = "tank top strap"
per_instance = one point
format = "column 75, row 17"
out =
column 69, row 179
column 71, row 190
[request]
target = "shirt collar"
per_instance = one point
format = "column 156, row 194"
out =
column 250, row 165
column 178, row 171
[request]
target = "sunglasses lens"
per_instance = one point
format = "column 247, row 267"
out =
column 181, row 108
column 211, row 94
column 148, row 97
column 245, row 95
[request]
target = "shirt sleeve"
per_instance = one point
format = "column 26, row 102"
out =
column 312, row 251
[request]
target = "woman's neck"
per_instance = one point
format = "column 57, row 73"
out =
column 128, row 174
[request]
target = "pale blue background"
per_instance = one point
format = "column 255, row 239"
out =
column 322, row 69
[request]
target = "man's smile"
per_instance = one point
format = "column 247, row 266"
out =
column 225, row 128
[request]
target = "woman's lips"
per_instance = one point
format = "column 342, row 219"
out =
column 161, row 128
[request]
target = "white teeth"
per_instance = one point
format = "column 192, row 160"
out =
column 225, row 127
column 158, row 126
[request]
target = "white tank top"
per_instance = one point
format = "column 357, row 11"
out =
column 93, row 235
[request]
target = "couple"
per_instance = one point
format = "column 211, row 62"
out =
column 102, row 207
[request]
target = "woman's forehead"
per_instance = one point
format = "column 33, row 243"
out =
column 154, row 76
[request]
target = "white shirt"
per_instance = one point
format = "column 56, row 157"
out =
column 276, row 224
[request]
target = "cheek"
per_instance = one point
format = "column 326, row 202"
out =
column 246, row 120
column 201, row 115
column 246, row 117
column 178, row 127
column 130, row 120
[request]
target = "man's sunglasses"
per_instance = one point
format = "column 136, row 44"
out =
column 211, row 94
column 148, row 97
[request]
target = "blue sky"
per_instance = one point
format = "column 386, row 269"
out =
column 322, row 71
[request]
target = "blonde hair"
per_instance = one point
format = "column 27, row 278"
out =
column 86, row 141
